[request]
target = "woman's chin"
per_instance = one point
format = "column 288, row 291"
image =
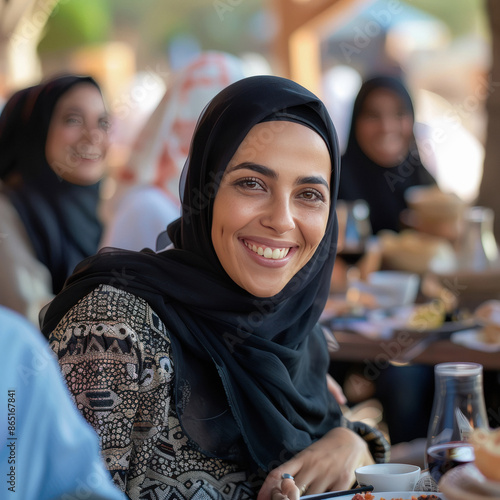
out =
column 264, row 291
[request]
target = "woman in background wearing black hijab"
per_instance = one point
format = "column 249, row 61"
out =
column 381, row 160
column 380, row 163
column 203, row 367
column 53, row 143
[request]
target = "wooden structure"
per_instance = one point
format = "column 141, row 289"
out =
column 21, row 26
column 303, row 25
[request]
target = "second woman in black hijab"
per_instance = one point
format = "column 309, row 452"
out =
column 203, row 367
column 381, row 160
column 53, row 144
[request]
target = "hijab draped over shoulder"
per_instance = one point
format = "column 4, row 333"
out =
column 250, row 372
column 381, row 187
column 60, row 218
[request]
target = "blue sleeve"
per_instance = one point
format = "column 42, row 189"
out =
column 48, row 449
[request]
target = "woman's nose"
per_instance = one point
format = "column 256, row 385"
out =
column 389, row 124
column 93, row 135
column 279, row 216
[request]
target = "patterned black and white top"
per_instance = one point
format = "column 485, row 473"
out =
column 115, row 355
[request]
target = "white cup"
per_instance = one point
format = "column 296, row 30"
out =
column 388, row 477
column 394, row 288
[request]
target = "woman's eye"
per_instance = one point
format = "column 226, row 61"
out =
column 73, row 120
column 250, row 183
column 104, row 125
column 312, row 195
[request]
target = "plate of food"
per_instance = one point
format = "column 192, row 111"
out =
column 475, row 339
column 486, row 337
column 466, row 482
column 419, row 320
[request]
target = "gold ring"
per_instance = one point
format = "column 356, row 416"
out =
column 303, row 490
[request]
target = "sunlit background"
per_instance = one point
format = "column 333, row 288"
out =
column 442, row 48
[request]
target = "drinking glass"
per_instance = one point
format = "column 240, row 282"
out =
column 458, row 409
column 357, row 231
column 355, row 236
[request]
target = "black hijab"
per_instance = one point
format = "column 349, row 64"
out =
column 60, row 218
column 381, row 187
column 250, row 372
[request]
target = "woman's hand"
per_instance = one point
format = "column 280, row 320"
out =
column 326, row 465
column 335, row 390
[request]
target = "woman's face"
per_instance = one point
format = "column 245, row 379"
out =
column 384, row 128
column 77, row 139
column 272, row 207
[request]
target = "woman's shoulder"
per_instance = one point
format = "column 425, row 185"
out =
column 110, row 306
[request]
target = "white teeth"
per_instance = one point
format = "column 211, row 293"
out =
column 89, row 157
column 269, row 253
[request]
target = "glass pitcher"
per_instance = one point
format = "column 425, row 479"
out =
column 477, row 248
column 458, row 409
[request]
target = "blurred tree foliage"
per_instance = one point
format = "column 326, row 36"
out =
column 74, row 23
column 461, row 16
column 217, row 24
column 231, row 25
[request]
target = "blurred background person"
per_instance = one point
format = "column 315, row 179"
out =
column 380, row 163
column 53, row 145
column 48, row 450
column 147, row 194
column 382, row 160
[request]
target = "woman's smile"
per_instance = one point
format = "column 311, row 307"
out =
column 276, row 253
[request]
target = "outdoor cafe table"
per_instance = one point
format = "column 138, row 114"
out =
column 379, row 353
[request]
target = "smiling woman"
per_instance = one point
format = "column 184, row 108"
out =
column 53, row 144
column 382, row 159
column 203, row 367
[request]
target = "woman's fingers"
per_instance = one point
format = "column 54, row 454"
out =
column 335, row 389
column 277, row 494
column 326, row 465
column 289, row 489
column 279, row 485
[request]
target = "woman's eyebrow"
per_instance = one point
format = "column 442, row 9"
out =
column 312, row 179
column 73, row 109
column 260, row 169
column 78, row 110
column 269, row 172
